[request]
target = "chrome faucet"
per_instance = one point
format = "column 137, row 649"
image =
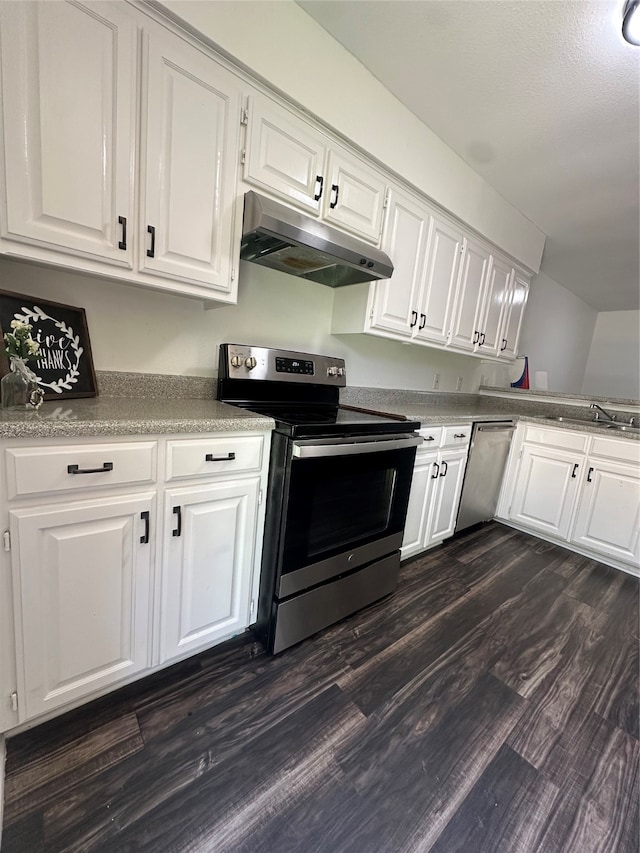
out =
column 598, row 408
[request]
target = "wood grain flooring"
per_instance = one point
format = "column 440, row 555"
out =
column 489, row 706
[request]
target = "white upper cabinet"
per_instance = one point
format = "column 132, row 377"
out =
column 495, row 306
column 75, row 174
column 440, row 279
column 68, row 98
column 190, row 138
column 467, row 313
column 512, row 324
column 291, row 159
column 405, row 239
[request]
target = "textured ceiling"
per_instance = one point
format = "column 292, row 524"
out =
column 541, row 98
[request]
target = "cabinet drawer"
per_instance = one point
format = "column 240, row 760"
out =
column 35, row 470
column 456, row 436
column 432, row 437
column 210, row 456
column 565, row 438
column 621, row 450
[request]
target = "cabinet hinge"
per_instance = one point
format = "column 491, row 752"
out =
column 6, row 540
column 244, row 116
column 243, row 155
column 386, row 199
column 520, row 454
column 259, row 497
column 13, row 698
column 252, row 607
column 233, row 273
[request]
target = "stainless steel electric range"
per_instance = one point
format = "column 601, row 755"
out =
column 339, row 482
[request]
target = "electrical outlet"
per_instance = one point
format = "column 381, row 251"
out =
column 459, row 384
column 436, row 381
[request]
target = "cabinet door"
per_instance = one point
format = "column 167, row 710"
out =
column 465, row 332
column 68, row 94
column 188, row 168
column 446, row 499
column 284, row 155
column 439, row 285
column 608, row 515
column 82, row 579
column 512, row 324
column 354, row 196
column 547, row 482
column 404, row 239
column 425, row 473
column 209, row 550
column 495, row 306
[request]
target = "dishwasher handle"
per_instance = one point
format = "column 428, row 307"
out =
column 498, row 427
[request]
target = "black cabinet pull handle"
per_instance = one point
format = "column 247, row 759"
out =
column 435, row 476
column 575, row 470
column 429, row 438
column 151, row 253
column 589, row 473
column 144, row 540
column 476, row 335
column 504, row 345
column 446, row 468
column 414, row 319
column 482, row 335
column 122, row 220
column 319, row 180
column 459, row 435
column 336, row 189
column 75, row 469
column 211, row 458
column 178, row 512
column 423, row 321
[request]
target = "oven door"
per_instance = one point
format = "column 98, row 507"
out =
column 346, row 506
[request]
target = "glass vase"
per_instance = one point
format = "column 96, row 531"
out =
column 14, row 388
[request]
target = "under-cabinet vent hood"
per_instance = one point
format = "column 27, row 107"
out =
column 276, row 236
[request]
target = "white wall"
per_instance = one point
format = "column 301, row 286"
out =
column 613, row 366
column 556, row 334
column 133, row 329
column 279, row 42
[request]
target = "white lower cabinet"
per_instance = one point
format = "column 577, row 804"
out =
column 435, row 488
column 209, row 536
column 582, row 489
column 82, row 595
column 115, row 569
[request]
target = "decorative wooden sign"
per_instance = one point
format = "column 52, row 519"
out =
column 64, row 367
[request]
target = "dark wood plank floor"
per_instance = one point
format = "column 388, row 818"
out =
column 490, row 704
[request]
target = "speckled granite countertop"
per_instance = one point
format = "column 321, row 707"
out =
column 127, row 416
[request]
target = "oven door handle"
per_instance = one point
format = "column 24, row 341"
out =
column 312, row 448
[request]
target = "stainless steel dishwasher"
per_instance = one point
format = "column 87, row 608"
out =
column 488, row 451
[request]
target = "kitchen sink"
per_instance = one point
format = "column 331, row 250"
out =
column 614, row 425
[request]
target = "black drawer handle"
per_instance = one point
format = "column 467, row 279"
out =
column 414, row 319
column 74, row 469
column 319, row 180
column 435, row 476
column 122, row 220
column 423, row 322
column 575, row 470
column 336, row 189
column 459, row 435
column 144, row 540
column 589, row 473
column 446, row 468
column 151, row 253
column 429, row 438
column 211, row 458
column 178, row 512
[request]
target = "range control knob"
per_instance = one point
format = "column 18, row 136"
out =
column 236, row 361
column 250, row 362
column 333, row 371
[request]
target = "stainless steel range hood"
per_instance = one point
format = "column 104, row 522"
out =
column 280, row 238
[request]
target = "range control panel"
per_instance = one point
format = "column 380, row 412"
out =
column 242, row 361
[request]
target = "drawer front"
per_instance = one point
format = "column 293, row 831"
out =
column 208, row 457
column 625, row 450
column 565, row 438
column 36, row 470
column 456, row 436
column 432, row 437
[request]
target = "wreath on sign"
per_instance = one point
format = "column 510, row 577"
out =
column 36, row 316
